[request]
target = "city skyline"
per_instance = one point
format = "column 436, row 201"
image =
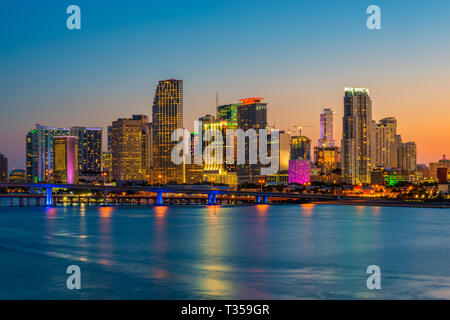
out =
column 108, row 69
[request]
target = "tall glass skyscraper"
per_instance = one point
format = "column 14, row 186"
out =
column 357, row 131
column 39, row 152
column 326, row 129
column 167, row 117
column 386, row 144
column 89, row 149
column 251, row 114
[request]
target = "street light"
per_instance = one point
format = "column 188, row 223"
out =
column 159, row 180
column 261, row 181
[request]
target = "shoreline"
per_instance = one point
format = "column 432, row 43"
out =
column 377, row 203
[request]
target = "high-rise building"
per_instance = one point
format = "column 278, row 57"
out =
column 193, row 172
column 89, row 149
column 107, row 162
column 18, row 176
column 215, row 170
column 39, row 152
column 357, row 132
column 326, row 129
column 167, row 117
column 326, row 158
column 407, row 156
column 3, row 168
column 386, row 144
column 300, row 148
column 131, row 149
column 109, row 138
column 65, row 165
column 251, row 114
column 228, row 112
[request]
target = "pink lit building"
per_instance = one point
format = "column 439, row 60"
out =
column 65, row 167
column 299, row 171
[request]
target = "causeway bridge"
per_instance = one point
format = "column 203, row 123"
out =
column 118, row 195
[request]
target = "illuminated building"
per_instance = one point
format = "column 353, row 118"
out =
column 326, row 158
column 386, row 143
column 299, row 171
column 107, row 162
column 228, row 112
column 300, row 148
column 18, row 176
column 3, row 168
column 219, row 173
column 357, row 131
column 407, row 156
column 434, row 166
column 192, row 172
column 131, row 149
column 251, row 114
column 109, row 138
column 282, row 176
column 65, row 165
column 326, row 129
column 39, row 152
column 167, row 117
column 89, row 149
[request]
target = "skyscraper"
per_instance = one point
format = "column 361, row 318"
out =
column 3, row 168
column 326, row 129
column 89, row 149
column 167, row 117
column 193, row 172
column 300, row 148
column 131, row 149
column 386, row 144
column 357, row 134
column 407, row 156
column 65, row 165
column 228, row 112
column 251, row 114
column 213, row 170
column 109, row 138
column 39, row 152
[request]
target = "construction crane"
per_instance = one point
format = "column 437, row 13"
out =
column 300, row 127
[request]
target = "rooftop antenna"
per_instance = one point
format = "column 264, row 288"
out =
column 217, row 98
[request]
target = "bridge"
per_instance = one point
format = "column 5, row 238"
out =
column 174, row 194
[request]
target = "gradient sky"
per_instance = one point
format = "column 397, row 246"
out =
column 298, row 55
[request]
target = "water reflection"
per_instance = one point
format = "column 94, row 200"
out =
column 307, row 209
column 105, row 245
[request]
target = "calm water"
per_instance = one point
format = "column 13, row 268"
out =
column 264, row 252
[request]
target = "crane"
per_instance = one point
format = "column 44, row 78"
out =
column 300, row 127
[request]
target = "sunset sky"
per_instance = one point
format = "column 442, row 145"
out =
column 298, row 55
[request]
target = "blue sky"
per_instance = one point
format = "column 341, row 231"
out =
column 298, row 55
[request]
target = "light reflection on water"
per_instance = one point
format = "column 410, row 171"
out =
column 248, row 252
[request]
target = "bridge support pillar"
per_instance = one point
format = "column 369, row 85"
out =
column 159, row 199
column 48, row 197
column 265, row 200
column 212, row 199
